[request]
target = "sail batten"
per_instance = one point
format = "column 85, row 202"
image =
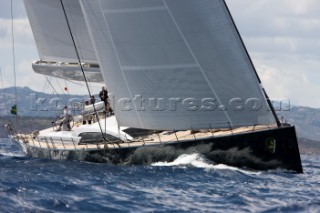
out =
column 182, row 67
column 159, row 67
column 135, row 10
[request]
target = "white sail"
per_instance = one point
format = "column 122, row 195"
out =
column 54, row 42
column 184, row 55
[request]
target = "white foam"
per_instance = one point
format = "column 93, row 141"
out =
column 12, row 154
column 192, row 159
column 199, row 161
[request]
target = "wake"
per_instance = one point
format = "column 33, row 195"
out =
column 7, row 149
column 11, row 154
column 199, row 161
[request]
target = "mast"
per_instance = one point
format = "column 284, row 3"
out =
column 255, row 71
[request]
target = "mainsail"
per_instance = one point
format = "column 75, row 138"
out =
column 56, row 49
column 177, row 64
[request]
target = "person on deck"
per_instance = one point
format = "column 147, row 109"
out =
column 92, row 100
column 104, row 97
column 86, row 118
column 67, row 117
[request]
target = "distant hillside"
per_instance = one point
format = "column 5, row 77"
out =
column 305, row 119
column 309, row 147
column 25, row 125
column 37, row 104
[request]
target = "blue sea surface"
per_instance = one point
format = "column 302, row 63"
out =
column 189, row 184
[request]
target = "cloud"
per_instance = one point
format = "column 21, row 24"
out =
column 286, row 80
column 3, row 32
column 282, row 37
column 25, row 50
column 21, row 31
column 18, row 9
column 276, row 17
column 304, row 8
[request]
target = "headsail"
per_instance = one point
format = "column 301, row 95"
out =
column 57, row 52
column 177, row 64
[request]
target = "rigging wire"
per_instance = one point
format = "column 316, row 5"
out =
column 45, row 85
column 4, row 95
column 76, row 32
column 81, row 66
column 48, row 81
column 79, row 49
column 76, row 83
column 67, row 89
column 55, row 90
column 66, row 100
column 57, row 81
column 14, row 61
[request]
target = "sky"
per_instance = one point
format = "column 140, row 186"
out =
column 282, row 38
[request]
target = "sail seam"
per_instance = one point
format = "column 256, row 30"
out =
column 196, row 60
column 118, row 60
column 160, row 67
column 134, row 10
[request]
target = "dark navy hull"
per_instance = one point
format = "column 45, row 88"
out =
column 261, row 150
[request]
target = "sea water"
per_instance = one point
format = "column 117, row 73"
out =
column 189, row 184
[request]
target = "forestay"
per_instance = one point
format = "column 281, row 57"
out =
column 177, row 64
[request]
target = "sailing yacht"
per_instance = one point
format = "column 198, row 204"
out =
column 181, row 79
